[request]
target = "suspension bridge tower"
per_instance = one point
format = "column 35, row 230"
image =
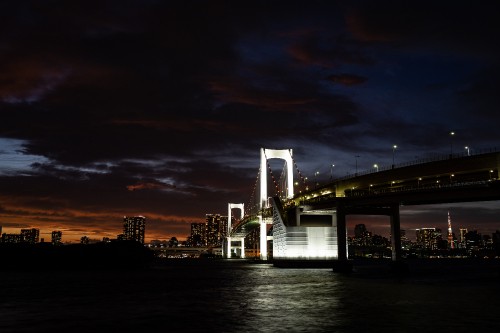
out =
column 265, row 155
column 226, row 247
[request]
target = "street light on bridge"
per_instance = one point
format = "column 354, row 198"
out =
column 315, row 178
column 393, row 152
column 468, row 150
column 331, row 171
column 356, row 164
column 452, row 134
column 376, row 166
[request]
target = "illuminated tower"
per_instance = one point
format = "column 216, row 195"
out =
column 450, row 233
column 134, row 228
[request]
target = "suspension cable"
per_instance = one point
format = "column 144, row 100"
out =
column 282, row 181
column 252, row 202
column 302, row 178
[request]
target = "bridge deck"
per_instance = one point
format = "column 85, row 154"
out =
column 469, row 178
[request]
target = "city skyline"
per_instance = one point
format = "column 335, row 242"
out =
column 352, row 224
column 160, row 109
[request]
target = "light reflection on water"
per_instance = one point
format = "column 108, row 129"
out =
column 297, row 300
column 240, row 297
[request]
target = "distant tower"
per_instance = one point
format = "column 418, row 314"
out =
column 450, row 233
column 134, row 228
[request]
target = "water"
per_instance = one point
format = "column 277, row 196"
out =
column 245, row 297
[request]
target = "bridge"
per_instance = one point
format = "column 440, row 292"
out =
column 311, row 225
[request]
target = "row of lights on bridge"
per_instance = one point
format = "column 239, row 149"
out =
column 376, row 166
column 437, row 181
column 394, row 147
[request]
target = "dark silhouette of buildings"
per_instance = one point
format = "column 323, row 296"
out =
column 30, row 235
column 11, row 238
column 56, row 237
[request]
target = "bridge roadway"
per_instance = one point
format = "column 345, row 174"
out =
column 249, row 223
column 454, row 179
column 433, row 175
column 459, row 179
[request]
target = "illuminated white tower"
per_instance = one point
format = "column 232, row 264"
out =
column 265, row 154
column 450, row 233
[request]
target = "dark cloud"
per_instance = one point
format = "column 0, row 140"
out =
column 464, row 26
column 346, row 79
column 160, row 108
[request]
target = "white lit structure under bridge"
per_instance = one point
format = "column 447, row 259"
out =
column 303, row 237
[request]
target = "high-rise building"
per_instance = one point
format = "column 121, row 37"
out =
column 198, row 234
column 359, row 231
column 405, row 242
column 428, row 238
column 473, row 240
column 495, row 237
column 463, row 232
column 134, row 228
column 30, row 235
column 214, row 227
column 209, row 233
column 223, row 227
column 362, row 236
column 11, row 238
column 56, row 237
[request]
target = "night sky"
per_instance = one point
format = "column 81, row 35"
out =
column 160, row 108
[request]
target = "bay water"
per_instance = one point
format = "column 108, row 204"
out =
column 242, row 296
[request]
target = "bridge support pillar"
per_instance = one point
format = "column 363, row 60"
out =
column 228, row 252
column 242, row 255
column 395, row 232
column 341, row 264
column 341, row 233
column 263, row 239
column 224, row 247
column 397, row 265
